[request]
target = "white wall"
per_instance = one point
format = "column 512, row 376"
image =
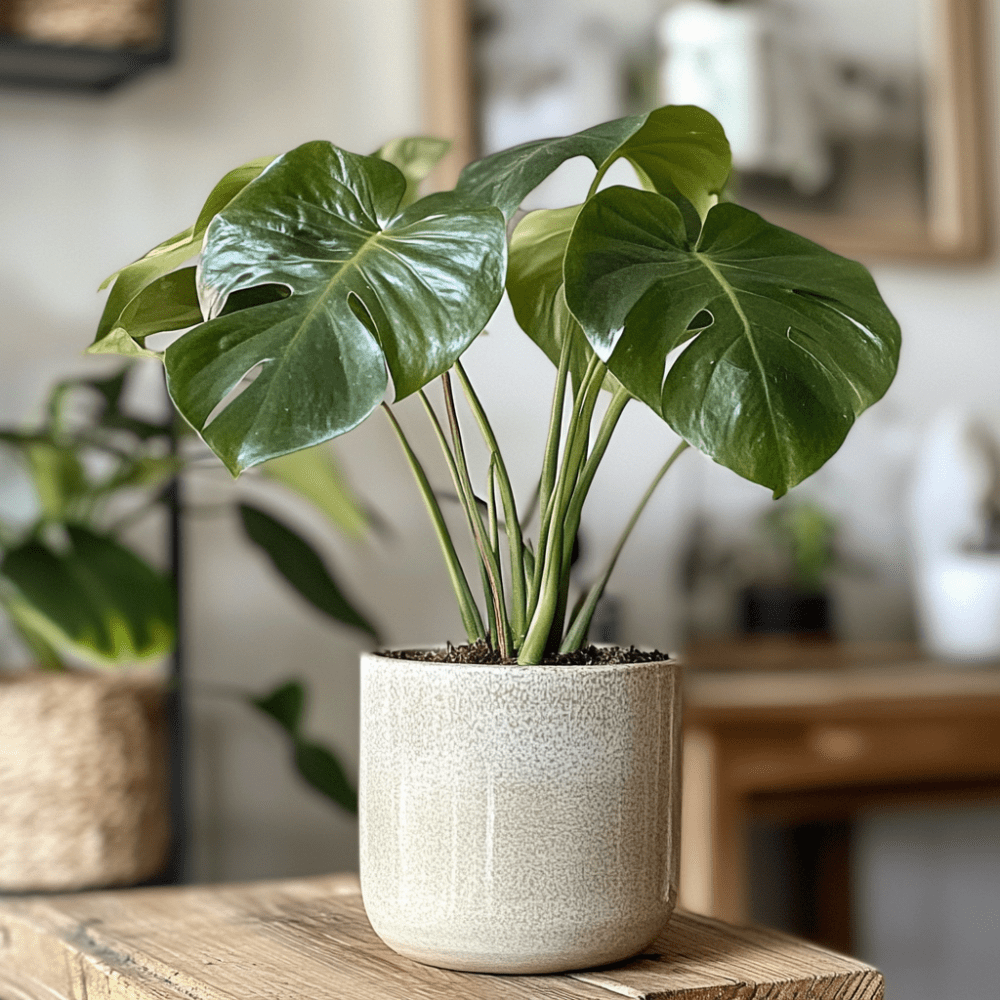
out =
column 90, row 183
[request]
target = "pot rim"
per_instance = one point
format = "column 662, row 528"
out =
column 381, row 657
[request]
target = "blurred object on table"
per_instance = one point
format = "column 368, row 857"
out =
column 955, row 532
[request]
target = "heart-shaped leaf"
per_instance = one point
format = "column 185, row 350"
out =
column 677, row 147
column 115, row 330
column 789, row 342
column 370, row 289
column 169, row 302
column 97, row 599
column 681, row 148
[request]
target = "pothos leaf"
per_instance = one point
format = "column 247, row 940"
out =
column 302, row 568
column 313, row 474
column 97, row 599
column 316, row 764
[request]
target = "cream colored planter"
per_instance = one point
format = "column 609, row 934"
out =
column 519, row 819
column 83, row 783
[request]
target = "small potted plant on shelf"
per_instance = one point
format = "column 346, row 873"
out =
column 83, row 773
column 519, row 796
column 83, row 783
column 789, row 592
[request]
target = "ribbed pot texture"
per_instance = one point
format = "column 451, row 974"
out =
column 519, row 819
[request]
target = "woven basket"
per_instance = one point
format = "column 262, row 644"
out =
column 83, row 781
column 100, row 23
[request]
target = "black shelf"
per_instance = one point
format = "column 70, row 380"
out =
column 28, row 64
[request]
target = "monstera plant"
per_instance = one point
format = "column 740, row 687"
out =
column 321, row 274
column 518, row 794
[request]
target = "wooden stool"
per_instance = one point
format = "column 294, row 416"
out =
column 310, row 939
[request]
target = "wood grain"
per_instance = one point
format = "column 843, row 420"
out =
column 310, row 938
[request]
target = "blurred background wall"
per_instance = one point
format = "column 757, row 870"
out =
column 90, row 183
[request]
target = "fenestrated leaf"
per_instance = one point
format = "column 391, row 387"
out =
column 800, row 341
column 535, row 286
column 370, row 289
column 416, row 157
column 97, row 599
column 677, row 147
column 316, row 764
column 313, row 474
column 297, row 561
column 113, row 332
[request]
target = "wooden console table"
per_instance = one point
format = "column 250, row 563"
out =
column 310, row 939
column 822, row 744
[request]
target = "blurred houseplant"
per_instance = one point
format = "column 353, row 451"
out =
column 83, row 795
column 789, row 591
column 322, row 273
column 83, row 782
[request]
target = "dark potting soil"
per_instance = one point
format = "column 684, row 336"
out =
column 482, row 652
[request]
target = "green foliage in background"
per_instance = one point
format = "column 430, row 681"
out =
column 77, row 592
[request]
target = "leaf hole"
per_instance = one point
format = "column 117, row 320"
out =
column 244, row 383
column 258, row 295
column 362, row 314
column 701, row 321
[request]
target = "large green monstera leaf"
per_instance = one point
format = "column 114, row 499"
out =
column 364, row 288
column 786, row 342
column 678, row 148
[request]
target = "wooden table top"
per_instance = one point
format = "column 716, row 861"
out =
column 816, row 679
column 309, row 938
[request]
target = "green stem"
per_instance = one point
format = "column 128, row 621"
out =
column 550, row 461
column 574, row 443
column 581, row 623
column 491, row 506
column 512, row 524
column 468, row 504
column 466, row 602
column 489, row 561
column 598, row 177
column 574, row 511
column 551, row 568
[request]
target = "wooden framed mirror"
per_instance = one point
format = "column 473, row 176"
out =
column 919, row 197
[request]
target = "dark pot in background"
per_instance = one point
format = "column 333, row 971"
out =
column 766, row 609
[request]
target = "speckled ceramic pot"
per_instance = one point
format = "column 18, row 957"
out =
column 519, row 819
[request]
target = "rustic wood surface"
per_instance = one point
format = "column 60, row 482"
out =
column 309, row 938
